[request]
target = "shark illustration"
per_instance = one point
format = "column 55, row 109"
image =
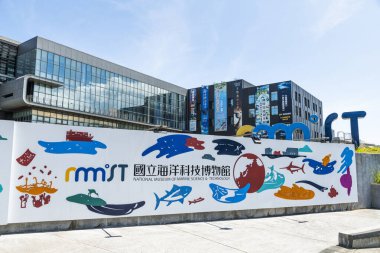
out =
column 226, row 195
column 293, row 168
column 177, row 193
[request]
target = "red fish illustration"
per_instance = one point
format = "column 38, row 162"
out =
column 196, row 200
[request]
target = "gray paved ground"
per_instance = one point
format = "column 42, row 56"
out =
column 297, row 233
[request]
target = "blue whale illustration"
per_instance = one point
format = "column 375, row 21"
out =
column 228, row 147
column 176, row 194
column 170, row 146
column 318, row 167
column 229, row 196
column 72, row 147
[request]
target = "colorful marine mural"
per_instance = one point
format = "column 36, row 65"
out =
column 140, row 173
column 262, row 105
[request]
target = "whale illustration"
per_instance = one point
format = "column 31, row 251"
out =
column 318, row 167
column 229, row 196
column 72, row 147
column 228, row 147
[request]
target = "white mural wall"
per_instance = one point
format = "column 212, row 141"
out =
column 6, row 142
column 69, row 173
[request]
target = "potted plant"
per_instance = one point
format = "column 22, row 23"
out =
column 375, row 190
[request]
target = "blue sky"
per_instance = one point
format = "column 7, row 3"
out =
column 329, row 47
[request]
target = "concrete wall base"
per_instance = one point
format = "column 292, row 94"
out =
column 169, row 219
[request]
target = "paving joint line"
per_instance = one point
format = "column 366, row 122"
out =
column 80, row 242
column 225, row 245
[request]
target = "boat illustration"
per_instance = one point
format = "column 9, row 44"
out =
column 289, row 152
column 78, row 136
column 36, row 188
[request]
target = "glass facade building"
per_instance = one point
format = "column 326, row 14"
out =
column 75, row 91
column 8, row 53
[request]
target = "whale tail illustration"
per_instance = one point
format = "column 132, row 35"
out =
column 244, row 190
column 157, row 201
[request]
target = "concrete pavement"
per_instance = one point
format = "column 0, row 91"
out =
column 297, row 233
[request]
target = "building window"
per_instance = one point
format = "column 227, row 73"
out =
column 251, row 113
column 274, row 96
column 251, row 99
column 275, row 110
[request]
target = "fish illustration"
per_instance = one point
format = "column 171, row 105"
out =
column 226, row 195
column 208, row 157
column 317, row 186
column 294, row 168
column 177, row 193
column 196, row 200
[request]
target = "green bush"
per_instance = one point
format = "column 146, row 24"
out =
column 377, row 177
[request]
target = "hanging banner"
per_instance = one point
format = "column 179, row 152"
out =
column 193, row 111
column 204, row 109
column 262, row 105
column 285, row 107
column 237, row 86
column 73, row 173
column 220, row 110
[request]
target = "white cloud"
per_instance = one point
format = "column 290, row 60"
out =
column 337, row 12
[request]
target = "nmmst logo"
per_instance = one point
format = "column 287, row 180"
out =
column 287, row 129
column 100, row 172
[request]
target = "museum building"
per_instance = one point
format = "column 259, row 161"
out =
column 53, row 83
column 222, row 108
column 44, row 81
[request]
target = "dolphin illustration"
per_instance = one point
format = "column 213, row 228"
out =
column 226, row 195
column 177, row 193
